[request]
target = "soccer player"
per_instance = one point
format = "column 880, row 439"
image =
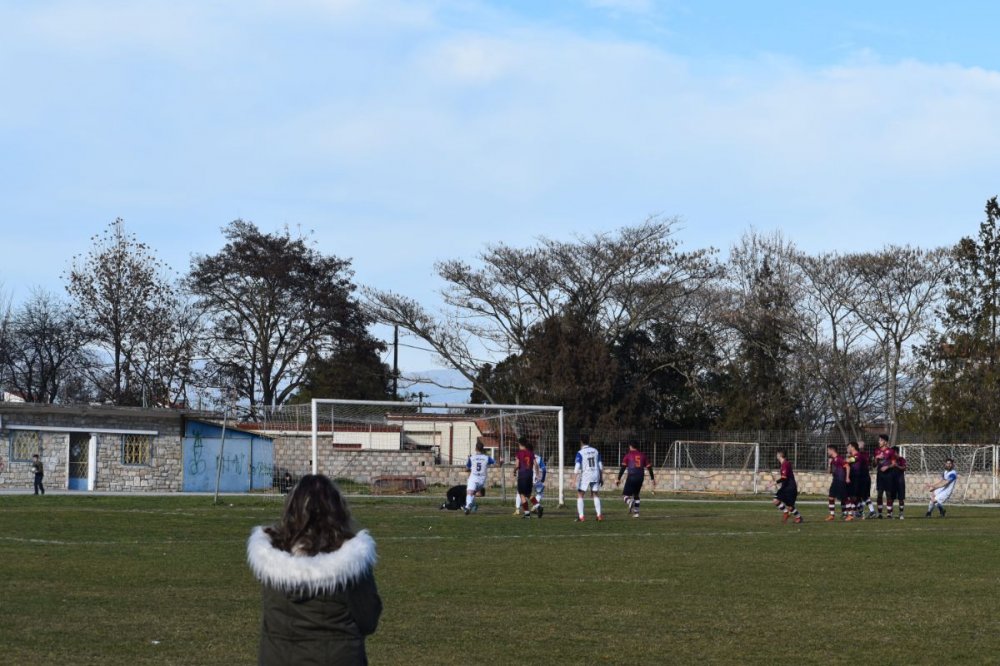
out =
column 588, row 471
column 883, row 477
column 941, row 491
column 840, row 471
column 864, row 482
column 787, row 492
column 525, row 468
column 539, row 487
column 635, row 463
column 478, row 465
column 898, row 470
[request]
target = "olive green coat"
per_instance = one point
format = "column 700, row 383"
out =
column 315, row 610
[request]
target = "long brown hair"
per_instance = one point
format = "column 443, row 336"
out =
column 316, row 518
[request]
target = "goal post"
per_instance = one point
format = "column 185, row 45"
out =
column 448, row 432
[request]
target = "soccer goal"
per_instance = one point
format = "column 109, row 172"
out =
column 712, row 467
column 976, row 466
column 391, row 447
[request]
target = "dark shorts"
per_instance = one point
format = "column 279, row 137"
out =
column 899, row 487
column 854, row 487
column 632, row 486
column 787, row 494
column 865, row 485
column 524, row 484
column 882, row 482
column 838, row 489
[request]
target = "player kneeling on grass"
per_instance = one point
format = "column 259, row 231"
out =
column 478, row 465
column 316, row 570
column 787, row 492
column 455, row 498
column 635, row 463
column 941, row 491
column 588, row 477
column 840, row 471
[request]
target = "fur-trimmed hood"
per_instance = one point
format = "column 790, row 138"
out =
column 325, row 572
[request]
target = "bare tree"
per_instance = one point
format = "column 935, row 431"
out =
column 123, row 296
column 45, row 349
column 897, row 292
column 833, row 346
column 5, row 338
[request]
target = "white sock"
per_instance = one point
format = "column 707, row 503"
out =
column 468, row 500
column 579, row 506
column 597, row 504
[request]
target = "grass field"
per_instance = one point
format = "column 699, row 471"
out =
column 151, row 580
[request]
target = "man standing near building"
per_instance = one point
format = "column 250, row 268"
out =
column 36, row 465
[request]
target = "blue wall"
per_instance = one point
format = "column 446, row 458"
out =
column 247, row 459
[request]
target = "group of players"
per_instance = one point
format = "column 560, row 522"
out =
column 851, row 483
column 530, row 473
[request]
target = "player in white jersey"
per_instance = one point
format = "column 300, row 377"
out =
column 588, row 476
column 539, row 485
column 941, row 491
column 478, row 465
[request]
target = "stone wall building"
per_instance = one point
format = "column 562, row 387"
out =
column 91, row 447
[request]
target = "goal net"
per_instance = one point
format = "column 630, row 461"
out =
column 398, row 448
column 711, row 467
column 975, row 464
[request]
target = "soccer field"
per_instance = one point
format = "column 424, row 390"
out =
column 153, row 580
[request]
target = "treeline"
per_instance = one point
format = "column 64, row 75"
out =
column 266, row 320
column 625, row 329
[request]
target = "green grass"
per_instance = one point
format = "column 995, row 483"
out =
column 143, row 580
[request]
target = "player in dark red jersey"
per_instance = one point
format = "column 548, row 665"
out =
column 864, row 483
column 525, row 467
column 898, row 470
column 635, row 463
column 854, row 487
column 884, row 457
column 840, row 472
column 787, row 492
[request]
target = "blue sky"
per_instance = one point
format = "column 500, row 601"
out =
column 403, row 132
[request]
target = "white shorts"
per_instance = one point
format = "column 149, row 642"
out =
column 941, row 495
column 474, row 485
column 585, row 485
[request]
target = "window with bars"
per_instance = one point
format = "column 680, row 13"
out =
column 137, row 449
column 24, row 444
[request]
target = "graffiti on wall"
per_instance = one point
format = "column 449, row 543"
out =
column 239, row 465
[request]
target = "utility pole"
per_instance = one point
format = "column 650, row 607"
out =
column 395, row 362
